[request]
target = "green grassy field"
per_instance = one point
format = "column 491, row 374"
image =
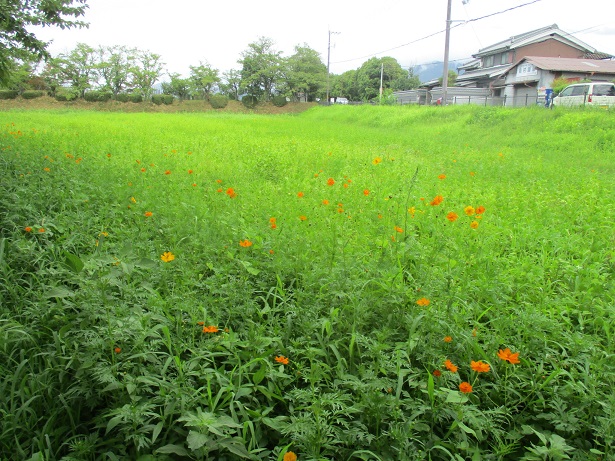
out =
column 349, row 283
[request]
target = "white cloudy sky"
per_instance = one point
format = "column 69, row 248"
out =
column 185, row 32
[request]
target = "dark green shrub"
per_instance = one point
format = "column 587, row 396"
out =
column 122, row 97
column 218, row 101
column 168, row 99
column 279, row 101
column 65, row 96
column 157, row 99
column 97, row 96
column 8, row 94
column 249, row 101
column 32, row 94
column 136, row 97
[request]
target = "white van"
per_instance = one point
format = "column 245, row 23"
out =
column 587, row 94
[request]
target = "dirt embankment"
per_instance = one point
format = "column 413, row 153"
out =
column 177, row 106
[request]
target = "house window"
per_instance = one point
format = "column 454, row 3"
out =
column 488, row 61
column 526, row 69
column 504, row 58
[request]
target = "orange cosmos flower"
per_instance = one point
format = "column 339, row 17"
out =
column 167, row 256
column 377, row 160
column 281, row 359
column 442, row 176
column 474, row 224
column 480, row 210
column 398, row 229
column 46, row 169
column 231, row 192
column 330, row 181
column 472, row 173
column 437, row 200
column 465, row 387
column 452, row 216
column 325, row 202
column 345, row 185
column 300, row 194
column 148, row 214
column 219, row 181
column 41, row 230
column 117, row 350
column 303, row 218
column 450, row 367
column 508, row 356
column 210, row 329
column 167, row 172
column 480, row 366
column 423, row 302
column 365, row 192
column 437, row 373
column 143, row 170
column 469, row 210
column 189, row 171
column 219, row 190
column 28, row 229
column 289, row 456
column 448, row 339
column 245, row 243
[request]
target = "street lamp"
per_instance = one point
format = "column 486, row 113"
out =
column 328, row 62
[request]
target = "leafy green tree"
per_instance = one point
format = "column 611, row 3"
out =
column 368, row 76
column 452, row 78
column 17, row 42
column 231, row 84
column 261, row 68
column 114, row 67
column 146, row 71
column 203, row 80
column 19, row 76
column 306, row 75
column 178, row 86
column 345, row 86
column 408, row 81
column 77, row 68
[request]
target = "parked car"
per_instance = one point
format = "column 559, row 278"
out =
column 587, row 94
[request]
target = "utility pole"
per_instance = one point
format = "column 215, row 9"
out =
column 446, row 46
column 381, row 76
column 328, row 63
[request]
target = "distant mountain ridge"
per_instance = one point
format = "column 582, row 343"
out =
column 433, row 70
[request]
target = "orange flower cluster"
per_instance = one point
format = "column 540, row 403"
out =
column 423, row 302
column 167, row 256
column 273, row 223
column 450, row 366
column 281, row 359
column 210, row 329
column 289, row 456
column 448, row 339
column 480, row 366
column 245, row 243
column 508, row 356
column 330, row 182
column 231, row 192
column 437, row 200
column 465, row 387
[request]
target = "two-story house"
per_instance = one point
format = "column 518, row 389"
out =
column 487, row 68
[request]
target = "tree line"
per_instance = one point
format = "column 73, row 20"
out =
column 263, row 72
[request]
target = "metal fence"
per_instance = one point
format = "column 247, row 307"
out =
column 464, row 96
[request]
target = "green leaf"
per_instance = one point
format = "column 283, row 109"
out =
column 73, row 262
column 172, row 448
column 59, row 292
column 260, row 374
column 196, row 440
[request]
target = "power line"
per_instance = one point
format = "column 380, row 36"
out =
column 439, row 32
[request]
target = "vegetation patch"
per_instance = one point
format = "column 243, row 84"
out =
column 349, row 283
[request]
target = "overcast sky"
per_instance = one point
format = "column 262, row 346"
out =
column 185, row 32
